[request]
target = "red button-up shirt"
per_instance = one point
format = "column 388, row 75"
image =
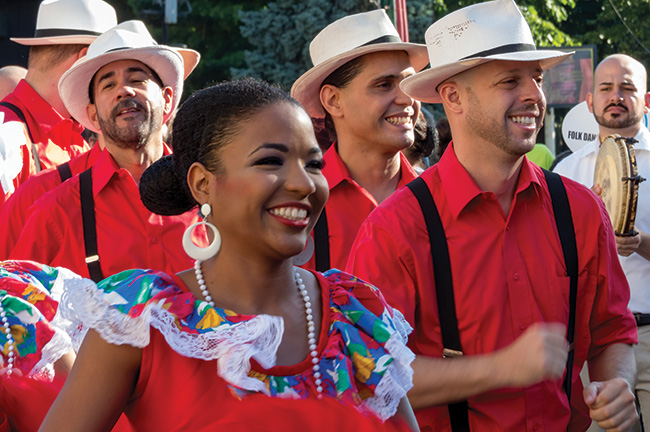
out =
column 348, row 205
column 128, row 235
column 13, row 213
column 508, row 272
column 57, row 139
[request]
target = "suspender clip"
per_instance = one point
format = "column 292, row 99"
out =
column 92, row 259
column 450, row 353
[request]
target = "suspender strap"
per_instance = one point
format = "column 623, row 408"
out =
column 566, row 231
column 64, row 171
column 21, row 116
column 458, row 412
column 89, row 224
column 322, row 243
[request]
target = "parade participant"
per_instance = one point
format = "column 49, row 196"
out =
column 178, row 351
column 64, row 29
column 36, row 353
column 359, row 62
column 618, row 101
column 520, row 297
column 133, row 85
column 14, row 212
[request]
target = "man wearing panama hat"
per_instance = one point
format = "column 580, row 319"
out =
column 359, row 61
column 64, row 29
column 510, row 285
column 95, row 224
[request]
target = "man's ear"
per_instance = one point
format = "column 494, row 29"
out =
column 330, row 98
column 82, row 52
column 451, row 98
column 168, row 97
column 647, row 102
column 91, row 112
column 198, row 180
column 590, row 102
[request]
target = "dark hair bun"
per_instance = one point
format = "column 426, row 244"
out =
column 162, row 191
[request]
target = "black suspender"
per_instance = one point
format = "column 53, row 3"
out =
column 21, row 116
column 64, row 171
column 458, row 412
column 89, row 224
column 566, row 231
column 322, row 243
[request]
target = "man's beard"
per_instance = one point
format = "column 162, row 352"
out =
column 621, row 121
column 495, row 131
column 135, row 135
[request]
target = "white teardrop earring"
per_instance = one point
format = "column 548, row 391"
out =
column 306, row 254
column 199, row 253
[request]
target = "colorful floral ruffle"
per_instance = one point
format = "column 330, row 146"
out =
column 28, row 293
column 365, row 362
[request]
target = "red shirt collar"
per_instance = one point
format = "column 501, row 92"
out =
column 105, row 168
column 336, row 172
column 460, row 188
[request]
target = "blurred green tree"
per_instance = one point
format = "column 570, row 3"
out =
column 280, row 33
column 209, row 26
column 281, row 30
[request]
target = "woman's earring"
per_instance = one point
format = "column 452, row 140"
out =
column 304, row 256
column 199, row 253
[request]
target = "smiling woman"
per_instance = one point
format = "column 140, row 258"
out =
column 181, row 351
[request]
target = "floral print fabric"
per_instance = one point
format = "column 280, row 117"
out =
column 364, row 362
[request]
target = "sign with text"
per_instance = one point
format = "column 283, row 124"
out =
column 568, row 83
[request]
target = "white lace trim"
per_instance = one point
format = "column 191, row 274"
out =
column 398, row 378
column 60, row 344
column 233, row 346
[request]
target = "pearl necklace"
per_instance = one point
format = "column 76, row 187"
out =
column 10, row 339
column 311, row 327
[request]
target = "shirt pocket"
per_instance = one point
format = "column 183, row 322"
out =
column 555, row 304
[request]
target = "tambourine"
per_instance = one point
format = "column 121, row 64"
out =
column 616, row 173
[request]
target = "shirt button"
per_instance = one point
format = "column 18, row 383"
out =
column 154, row 240
column 522, row 326
column 515, row 276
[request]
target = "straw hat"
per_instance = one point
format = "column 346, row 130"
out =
column 127, row 41
column 476, row 34
column 64, row 22
column 344, row 40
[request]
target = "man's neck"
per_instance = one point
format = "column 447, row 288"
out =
column 135, row 161
column 628, row 132
column 378, row 173
column 491, row 173
column 47, row 88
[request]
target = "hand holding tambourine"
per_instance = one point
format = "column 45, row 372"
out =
column 617, row 175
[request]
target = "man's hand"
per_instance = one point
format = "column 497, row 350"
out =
column 611, row 405
column 539, row 354
column 597, row 189
column 627, row 245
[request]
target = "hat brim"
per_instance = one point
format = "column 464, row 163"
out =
column 423, row 86
column 73, row 86
column 55, row 40
column 191, row 58
column 306, row 89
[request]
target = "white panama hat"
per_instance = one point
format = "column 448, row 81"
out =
column 127, row 41
column 65, row 22
column 471, row 36
column 344, row 40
